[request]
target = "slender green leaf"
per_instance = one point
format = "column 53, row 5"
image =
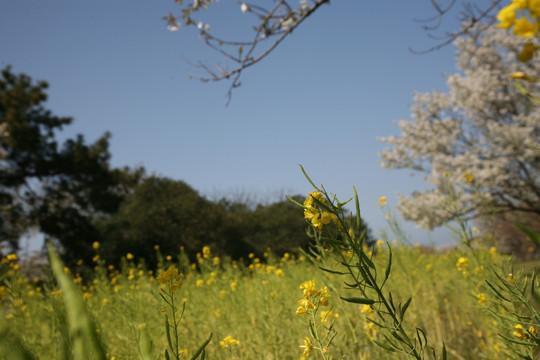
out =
column 341, row 204
column 308, row 178
column 384, row 346
column 497, row 292
column 296, row 202
column 533, row 235
column 201, row 349
column 357, row 206
column 404, row 308
column 352, row 286
column 389, row 266
column 526, row 343
column 367, row 260
column 358, row 300
column 391, row 301
column 332, row 271
column 86, row 343
column 145, row 346
column 525, row 92
column 168, row 332
column 422, row 338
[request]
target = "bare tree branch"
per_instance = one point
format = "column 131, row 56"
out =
column 469, row 17
column 273, row 24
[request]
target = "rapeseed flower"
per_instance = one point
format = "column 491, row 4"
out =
column 307, row 347
column 229, row 342
column 482, row 299
column 507, row 16
column 172, row 278
column 317, row 217
column 206, row 252
column 526, row 54
column 519, row 332
column 305, row 305
column 524, row 28
column 309, row 289
column 462, row 264
column 324, row 296
column 11, row 257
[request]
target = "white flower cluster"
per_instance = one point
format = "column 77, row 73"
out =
column 475, row 143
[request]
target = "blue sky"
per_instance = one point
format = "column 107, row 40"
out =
column 321, row 99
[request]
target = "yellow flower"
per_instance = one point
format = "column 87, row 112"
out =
column 382, row 200
column 306, row 304
column 327, row 315
column 524, row 28
column 301, row 311
column 324, row 296
column 482, row 299
column 307, row 347
column 95, row 245
column 206, row 252
column 129, row 256
column 313, row 214
column 507, row 16
column 319, row 219
column 519, row 332
column 309, row 288
column 229, row 341
column 314, row 195
column 526, row 54
column 172, row 278
column 532, row 330
column 462, row 263
column 469, row 178
column 366, row 309
column 534, row 7
column 11, row 257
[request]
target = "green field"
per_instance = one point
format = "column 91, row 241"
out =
column 254, row 303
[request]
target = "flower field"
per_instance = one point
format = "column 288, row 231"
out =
column 253, row 309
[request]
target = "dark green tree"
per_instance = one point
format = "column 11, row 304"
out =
column 163, row 212
column 279, row 226
column 58, row 190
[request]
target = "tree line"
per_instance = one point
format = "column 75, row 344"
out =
column 71, row 194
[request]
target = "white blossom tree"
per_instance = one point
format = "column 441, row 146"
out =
column 477, row 144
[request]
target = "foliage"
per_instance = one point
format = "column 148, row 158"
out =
column 161, row 212
column 361, row 276
column 278, row 226
column 59, row 190
column 476, row 143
